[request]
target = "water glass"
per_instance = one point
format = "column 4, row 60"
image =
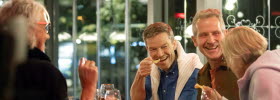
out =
column 113, row 95
column 103, row 89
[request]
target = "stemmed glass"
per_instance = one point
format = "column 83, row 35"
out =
column 113, row 95
column 97, row 95
column 103, row 89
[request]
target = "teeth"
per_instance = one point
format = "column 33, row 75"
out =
column 210, row 47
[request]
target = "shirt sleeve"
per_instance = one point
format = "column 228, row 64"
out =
column 265, row 85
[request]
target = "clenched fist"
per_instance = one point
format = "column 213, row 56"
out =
column 145, row 67
column 88, row 73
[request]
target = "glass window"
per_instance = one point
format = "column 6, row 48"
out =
column 180, row 14
column 275, row 24
column 137, row 48
column 257, row 14
column 112, row 47
column 63, row 29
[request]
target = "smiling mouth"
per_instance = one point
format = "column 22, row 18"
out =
column 211, row 48
column 163, row 58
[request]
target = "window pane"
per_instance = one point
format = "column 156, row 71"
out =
column 251, row 13
column 138, row 16
column 86, row 33
column 180, row 21
column 112, row 50
column 63, row 28
column 275, row 24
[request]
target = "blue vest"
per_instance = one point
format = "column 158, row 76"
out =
column 167, row 86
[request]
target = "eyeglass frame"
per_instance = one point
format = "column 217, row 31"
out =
column 47, row 27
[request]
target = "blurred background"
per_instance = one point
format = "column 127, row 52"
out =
column 109, row 32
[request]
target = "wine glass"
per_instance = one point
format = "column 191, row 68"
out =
column 113, row 95
column 97, row 94
column 204, row 95
column 209, row 94
column 103, row 89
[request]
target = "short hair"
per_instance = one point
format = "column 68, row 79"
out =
column 29, row 9
column 157, row 28
column 243, row 43
column 208, row 13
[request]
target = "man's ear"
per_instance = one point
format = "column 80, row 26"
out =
column 175, row 44
column 194, row 41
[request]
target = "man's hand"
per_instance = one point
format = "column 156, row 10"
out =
column 138, row 91
column 210, row 94
column 145, row 67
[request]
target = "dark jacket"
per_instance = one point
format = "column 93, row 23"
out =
column 38, row 79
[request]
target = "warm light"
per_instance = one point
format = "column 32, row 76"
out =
column 180, row 15
column 80, row 18
column 278, row 46
column 229, row 6
column 240, row 14
column 88, row 37
column 78, row 41
column 179, row 38
column 117, row 36
column 188, row 31
column 64, row 36
column 1, row 3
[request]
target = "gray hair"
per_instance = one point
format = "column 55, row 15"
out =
column 207, row 14
column 29, row 9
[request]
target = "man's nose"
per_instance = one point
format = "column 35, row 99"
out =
column 211, row 39
column 160, row 52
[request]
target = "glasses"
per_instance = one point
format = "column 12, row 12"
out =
column 47, row 27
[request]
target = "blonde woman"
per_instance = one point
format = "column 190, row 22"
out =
column 257, row 70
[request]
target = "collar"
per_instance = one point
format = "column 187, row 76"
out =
column 173, row 68
column 36, row 53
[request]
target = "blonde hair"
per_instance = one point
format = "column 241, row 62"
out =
column 29, row 9
column 208, row 13
column 243, row 44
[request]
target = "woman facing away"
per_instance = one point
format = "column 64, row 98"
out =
column 257, row 70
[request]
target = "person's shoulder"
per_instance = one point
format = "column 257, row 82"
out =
column 36, row 63
column 264, row 73
column 204, row 69
column 192, row 54
column 36, row 66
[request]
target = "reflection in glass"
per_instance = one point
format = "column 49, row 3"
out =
column 112, row 49
column 247, row 13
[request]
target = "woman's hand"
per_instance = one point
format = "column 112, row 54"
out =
column 88, row 74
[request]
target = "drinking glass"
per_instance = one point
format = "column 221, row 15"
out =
column 97, row 95
column 212, row 94
column 113, row 95
column 204, row 96
column 103, row 89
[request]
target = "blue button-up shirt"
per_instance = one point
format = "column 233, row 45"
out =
column 168, row 82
